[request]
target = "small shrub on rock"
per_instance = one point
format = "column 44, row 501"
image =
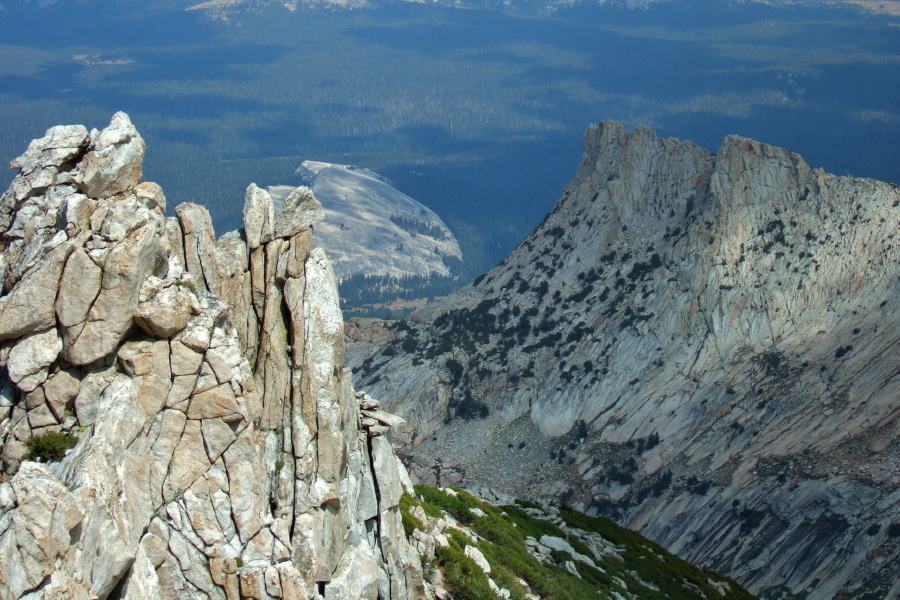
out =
column 50, row 446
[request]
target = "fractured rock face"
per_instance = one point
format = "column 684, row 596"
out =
column 30, row 358
column 165, row 307
column 127, row 263
column 115, row 161
column 699, row 345
column 46, row 162
column 79, row 287
column 220, row 452
column 199, row 245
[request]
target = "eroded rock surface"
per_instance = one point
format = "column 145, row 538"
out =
column 700, row 345
column 221, row 452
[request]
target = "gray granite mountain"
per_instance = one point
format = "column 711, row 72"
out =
column 703, row 346
column 371, row 228
column 220, row 450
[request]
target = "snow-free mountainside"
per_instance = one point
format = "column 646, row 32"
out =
column 702, row 346
column 383, row 244
column 176, row 421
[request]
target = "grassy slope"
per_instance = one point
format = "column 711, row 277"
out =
column 501, row 534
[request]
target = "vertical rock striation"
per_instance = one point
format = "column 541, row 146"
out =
column 221, row 452
column 705, row 346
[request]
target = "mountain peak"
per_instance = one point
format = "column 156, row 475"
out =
column 737, row 309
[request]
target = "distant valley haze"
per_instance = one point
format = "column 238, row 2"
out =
column 476, row 113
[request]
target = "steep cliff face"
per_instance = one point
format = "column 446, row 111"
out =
column 703, row 346
column 219, row 451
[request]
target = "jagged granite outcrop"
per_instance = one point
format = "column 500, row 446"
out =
column 221, row 451
column 703, row 346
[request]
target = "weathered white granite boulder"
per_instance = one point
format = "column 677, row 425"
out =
column 299, row 212
column 165, row 306
column 114, row 163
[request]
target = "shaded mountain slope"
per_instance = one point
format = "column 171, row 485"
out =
column 700, row 345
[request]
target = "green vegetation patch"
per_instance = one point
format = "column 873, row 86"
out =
column 50, row 446
column 466, row 578
column 410, row 523
column 651, row 562
column 643, row 568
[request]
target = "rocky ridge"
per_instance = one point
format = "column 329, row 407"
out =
column 701, row 345
column 220, row 450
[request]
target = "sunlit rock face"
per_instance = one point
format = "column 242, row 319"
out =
column 219, row 450
column 701, row 345
column 371, row 228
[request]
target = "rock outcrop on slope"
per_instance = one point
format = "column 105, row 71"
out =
column 221, row 450
column 376, row 234
column 524, row 550
column 703, row 346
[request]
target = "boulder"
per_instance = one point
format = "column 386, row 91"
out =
column 30, row 305
column 60, row 390
column 151, row 195
column 114, row 163
column 300, row 211
column 476, row 555
column 78, row 288
column 384, row 417
column 31, row 357
column 41, row 417
column 185, row 361
column 259, row 216
column 164, row 307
